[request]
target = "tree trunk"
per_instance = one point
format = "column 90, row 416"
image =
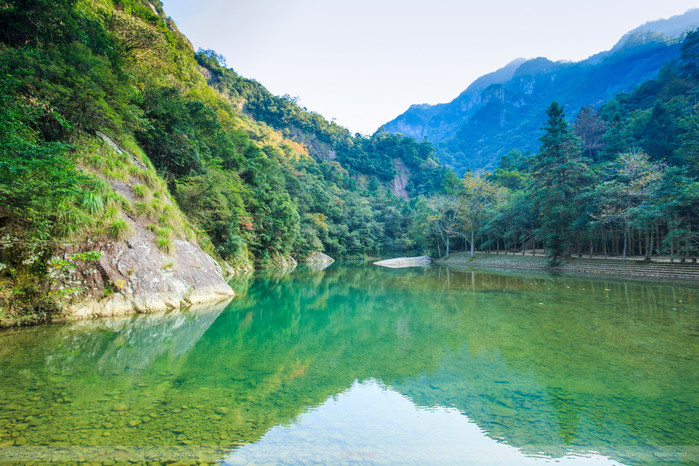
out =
column 639, row 240
column 472, row 244
column 604, row 244
column 672, row 250
column 578, row 249
column 626, row 235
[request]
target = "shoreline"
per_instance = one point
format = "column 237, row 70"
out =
column 632, row 268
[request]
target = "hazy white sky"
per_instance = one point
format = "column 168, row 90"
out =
column 364, row 62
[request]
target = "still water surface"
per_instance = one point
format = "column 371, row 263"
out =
column 360, row 364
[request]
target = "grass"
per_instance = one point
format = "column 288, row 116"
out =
column 92, row 202
column 140, row 191
column 164, row 244
column 119, row 229
column 115, row 174
column 105, row 208
column 163, row 239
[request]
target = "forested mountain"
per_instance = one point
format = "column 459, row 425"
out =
column 503, row 111
column 619, row 181
column 113, row 125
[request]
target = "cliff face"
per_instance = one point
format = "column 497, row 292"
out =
column 400, row 181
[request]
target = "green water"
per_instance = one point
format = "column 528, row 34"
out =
column 360, row 364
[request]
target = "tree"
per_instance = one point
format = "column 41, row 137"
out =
column 444, row 219
column 689, row 138
column 558, row 174
column 690, row 52
column 623, row 198
column 676, row 200
column 660, row 135
column 476, row 196
column 590, row 128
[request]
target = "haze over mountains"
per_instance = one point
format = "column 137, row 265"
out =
column 504, row 110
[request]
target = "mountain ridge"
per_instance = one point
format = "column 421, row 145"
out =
column 485, row 122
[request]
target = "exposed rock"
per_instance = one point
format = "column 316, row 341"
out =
column 318, row 257
column 135, row 276
column 280, row 262
column 115, row 147
column 242, row 267
column 400, row 181
column 403, row 262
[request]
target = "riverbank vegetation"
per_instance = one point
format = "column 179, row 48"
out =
column 619, row 181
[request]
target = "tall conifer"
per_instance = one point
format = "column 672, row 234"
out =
column 559, row 173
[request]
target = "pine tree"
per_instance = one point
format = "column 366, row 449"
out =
column 559, row 172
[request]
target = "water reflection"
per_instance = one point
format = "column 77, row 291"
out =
column 548, row 366
column 373, row 423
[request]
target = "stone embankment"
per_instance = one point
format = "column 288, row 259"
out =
column 656, row 269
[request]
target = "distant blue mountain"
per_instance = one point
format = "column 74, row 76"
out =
column 505, row 110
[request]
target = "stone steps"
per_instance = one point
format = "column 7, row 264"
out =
column 689, row 271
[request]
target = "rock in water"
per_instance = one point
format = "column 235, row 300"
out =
column 142, row 278
column 318, row 257
column 403, row 262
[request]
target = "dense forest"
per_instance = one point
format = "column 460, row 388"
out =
column 110, row 117
column 620, row 180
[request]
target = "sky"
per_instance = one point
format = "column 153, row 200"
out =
column 362, row 63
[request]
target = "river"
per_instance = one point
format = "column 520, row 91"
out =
column 361, row 364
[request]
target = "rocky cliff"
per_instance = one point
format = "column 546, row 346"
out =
column 143, row 271
column 400, row 181
column 133, row 275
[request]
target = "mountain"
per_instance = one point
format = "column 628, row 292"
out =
column 503, row 111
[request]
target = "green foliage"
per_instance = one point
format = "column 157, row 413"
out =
column 39, row 182
column 558, row 174
column 290, row 204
